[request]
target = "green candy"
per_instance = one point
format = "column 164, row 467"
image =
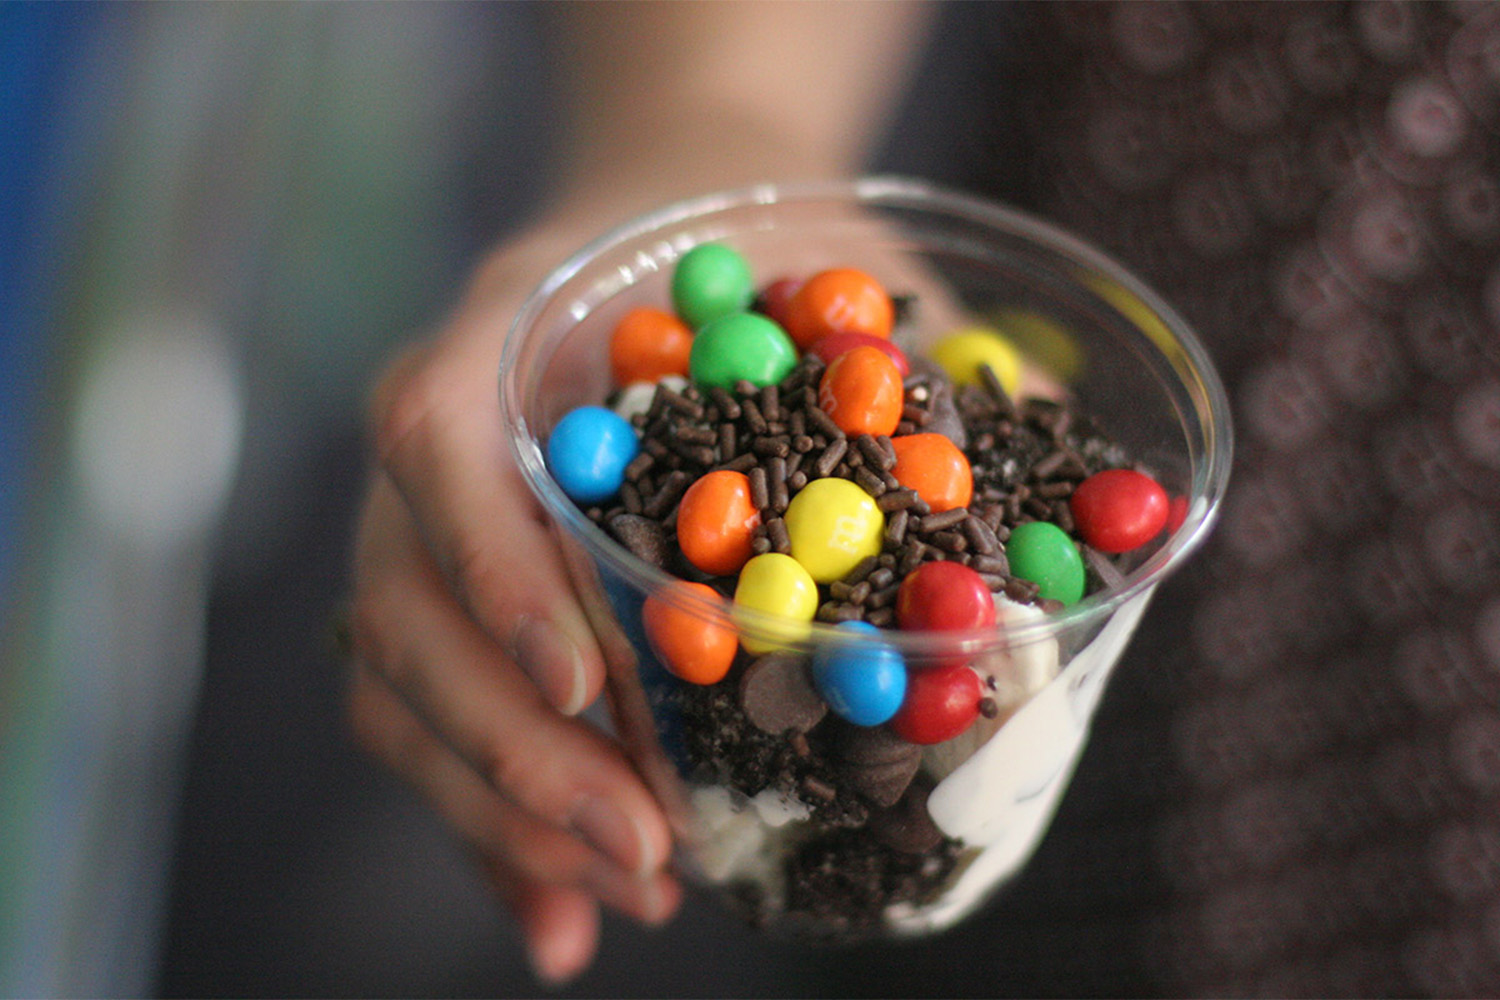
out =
column 1043, row 553
column 741, row 346
column 710, row 281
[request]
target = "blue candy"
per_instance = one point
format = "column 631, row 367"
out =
column 588, row 451
column 863, row 682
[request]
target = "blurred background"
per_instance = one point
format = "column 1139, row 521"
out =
column 218, row 222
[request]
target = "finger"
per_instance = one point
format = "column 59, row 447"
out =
column 561, row 927
column 563, row 771
column 521, row 853
column 439, row 436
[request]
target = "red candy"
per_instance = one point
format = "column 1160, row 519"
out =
column 695, row 648
column 776, row 299
column 1177, row 512
column 647, row 344
column 934, row 466
column 716, row 522
column 1119, row 509
column 835, row 344
column 861, row 390
column 841, row 300
column 944, row 596
column 940, row 703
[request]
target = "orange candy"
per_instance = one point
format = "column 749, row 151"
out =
column 694, row 647
column 861, row 390
column 647, row 344
column 841, row 300
column 715, row 522
column 934, row 466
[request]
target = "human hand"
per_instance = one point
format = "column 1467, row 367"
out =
column 472, row 655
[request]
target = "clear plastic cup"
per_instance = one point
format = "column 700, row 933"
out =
column 771, row 841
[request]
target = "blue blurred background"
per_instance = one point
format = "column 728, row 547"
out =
column 217, row 221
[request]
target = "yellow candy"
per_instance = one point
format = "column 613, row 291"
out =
column 1044, row 341
column 963, row 351
column 833, row 524
column 776, row 585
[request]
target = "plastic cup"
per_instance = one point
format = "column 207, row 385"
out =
column 767, row 838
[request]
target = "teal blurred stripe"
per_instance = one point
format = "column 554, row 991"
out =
column 38, row 49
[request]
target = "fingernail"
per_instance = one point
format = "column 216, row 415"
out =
column 552, row 661
column 615, row 834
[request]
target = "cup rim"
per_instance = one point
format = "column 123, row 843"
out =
column 1209, row 480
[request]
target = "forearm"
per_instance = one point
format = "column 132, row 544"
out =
column 668, row 99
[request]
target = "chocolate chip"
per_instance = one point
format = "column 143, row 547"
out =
column 643, row 536
column 907, row 825
column 777, row 695
column 877, row 763
column 944, row 418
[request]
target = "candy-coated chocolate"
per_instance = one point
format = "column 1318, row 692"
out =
column 709, row 281
column 587, row 453
column 694, row 646
column 934, row 466
column 716, row 522
column 835, row 344
column 940, row 704
column 773, row 584
column 944, row 596
column 740, row 346
column 863, row 682
column 839, row 300
column 1177, row 512
column 1119, row 509
column 862, row 392
column 776, row 299
column 648, row 343
column 1043, row 553
column 1043, row 341
column 833, row 524
column 962, row 352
